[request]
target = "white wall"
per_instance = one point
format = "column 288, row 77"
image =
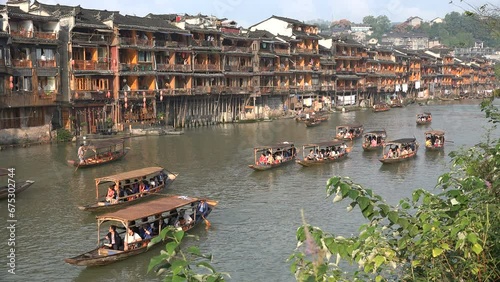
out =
column 274, row 26
column 327, row 43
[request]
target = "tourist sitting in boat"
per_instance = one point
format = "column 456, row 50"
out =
column 111, row 193
column 158, row 225
column 428, row 142
column 438, row 142
column 404, row 152
column 146, row 231
column 347, row 135
column 311, row 155
column 373, row 143
column 262, row 159
column 270, row 159
column 133, row 239
column 114, row 239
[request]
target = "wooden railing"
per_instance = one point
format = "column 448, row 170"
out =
column 47, row 63
column 90, row 65
column 147, row 66
column 28, row 98
column 233, row 68
column 206, row 67
column 205, row 43
column 174, row 67
column 45, row 35
column 236, row 49
column 282, row 51
column 21, row 63
column 21, row 33
column 90, row 95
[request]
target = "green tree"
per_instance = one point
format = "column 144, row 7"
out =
column 449, row 236
column 178, row 265
column 497, row 71
column 379, row 25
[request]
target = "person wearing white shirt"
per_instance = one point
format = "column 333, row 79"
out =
column 132, row 238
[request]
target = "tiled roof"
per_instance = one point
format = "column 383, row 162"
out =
column 16, row 13
column 305, row 35
column 289, row 20
column 165, row 17
column 142, row 23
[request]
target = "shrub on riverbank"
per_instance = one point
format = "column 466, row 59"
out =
column 64, row 135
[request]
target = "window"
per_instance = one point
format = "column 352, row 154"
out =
column 102, row 53
column 144, row 56
column 48, row 53
column 47, row 84
column 22, row 83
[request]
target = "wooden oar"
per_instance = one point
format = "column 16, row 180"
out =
column 207, row 223
column 449, row 141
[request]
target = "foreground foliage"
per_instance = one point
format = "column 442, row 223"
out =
column 449, row 236
column 177, row 265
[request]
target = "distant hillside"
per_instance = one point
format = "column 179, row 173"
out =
column 457, row 30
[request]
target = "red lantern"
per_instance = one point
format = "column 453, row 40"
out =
column 125, row 99
column 126, row 105
column 108, row 95
column 76, row 95
column 125, row 93
column 144, row 94
column 144, row 100
column 11, row 78
column 144, row 105
column 161, row 97
column 72, row 62
column 11, row 85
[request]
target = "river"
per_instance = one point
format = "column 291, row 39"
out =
column 253, row 227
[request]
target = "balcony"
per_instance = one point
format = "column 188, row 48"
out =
column 28, row 99
column 327, row 88
column 267, row 68
column 174, row 67
column 232, row 68
column 81, row 65
column 17, row 63
column 136, row 41
column 328, row 72
column 282, row 51
column 239, row 90
column 281, row 89
column 236, row 49
column 138, row 94
column 305, row 51
column 47, row 63
column 145, row 66
column 266, row 89
column 205, row 43
column 88, row 95
column 206, row 67
column 45, row 35
column 304, row 68
column 21, row 33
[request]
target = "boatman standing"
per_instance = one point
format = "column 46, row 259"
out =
column 81, row 153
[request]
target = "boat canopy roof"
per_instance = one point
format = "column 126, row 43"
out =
column 325, row 144
column 352, row 125
column 401, row 141
column 424, row 114
column 149, row 208
column 435, row 132
column 375, row 132
column 275, row 146
column 129, row 174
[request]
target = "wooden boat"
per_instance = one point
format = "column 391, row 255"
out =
column 127, row 181
column 165, row 210
column 285, row 152
column 102, row 152
column 378, row 135
column 434, row 140
column 396, row 103
column 381, row 107
column 12, row 187
column 311, row 153
column 391, row 148
column 349, row 132
column 424, row 118
column 312, row 122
